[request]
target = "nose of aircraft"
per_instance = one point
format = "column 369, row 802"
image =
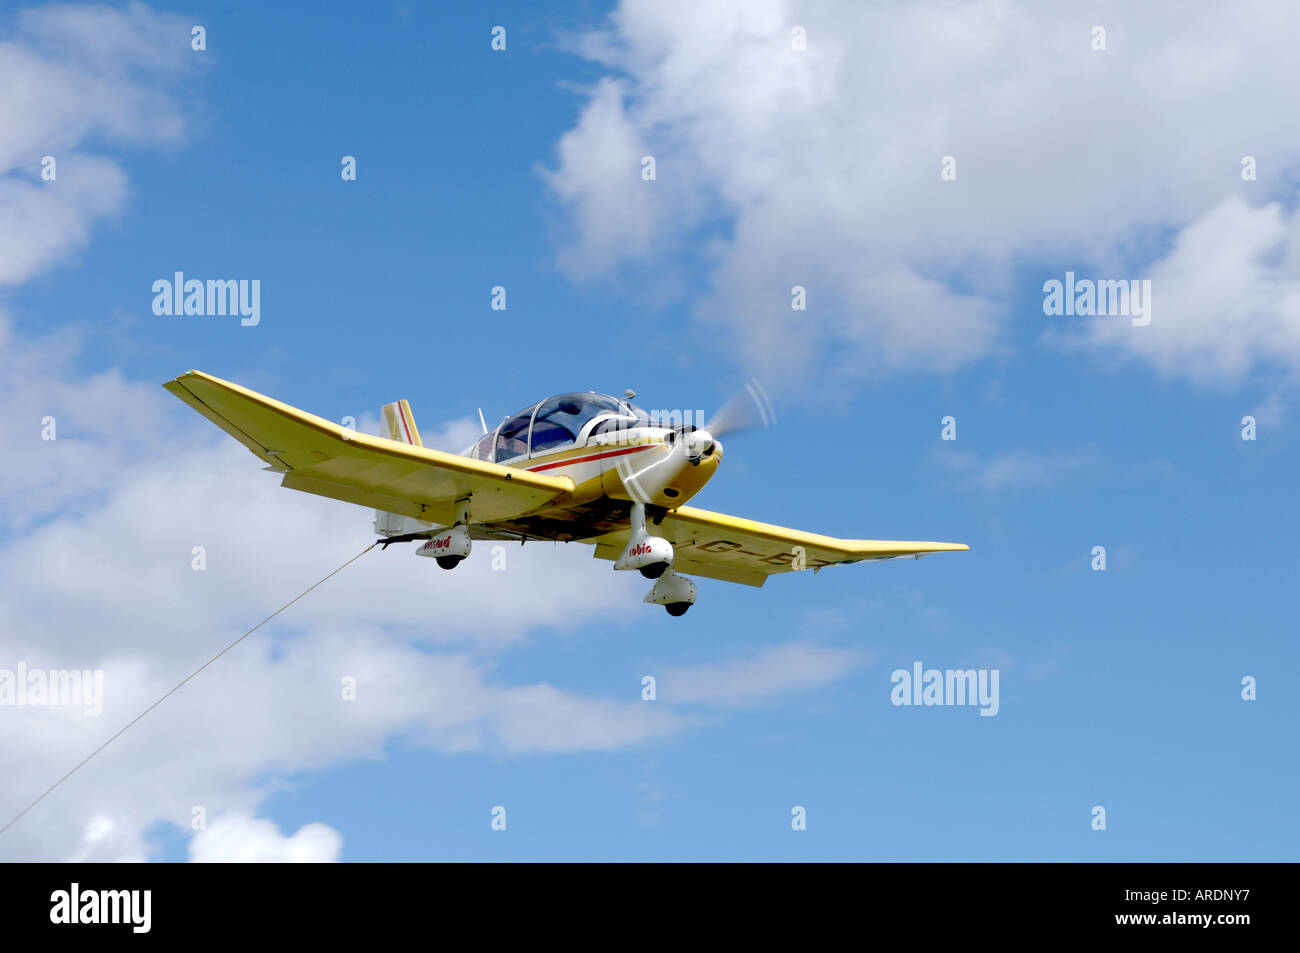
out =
column 699, row 443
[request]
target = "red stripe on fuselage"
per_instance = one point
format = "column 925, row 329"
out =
column 594, row 456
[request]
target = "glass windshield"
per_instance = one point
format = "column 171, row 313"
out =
column 560, row 419
column 555, row 423
column 483, row 449
column 629, row 416
column 512, row 436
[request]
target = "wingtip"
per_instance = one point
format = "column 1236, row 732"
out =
column 180, row 377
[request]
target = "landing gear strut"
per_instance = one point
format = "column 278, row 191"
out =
column 653, row 557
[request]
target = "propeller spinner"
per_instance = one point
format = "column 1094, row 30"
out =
column 747, row 409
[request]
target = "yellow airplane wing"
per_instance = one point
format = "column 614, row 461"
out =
column 733, row 549
column 319, row 456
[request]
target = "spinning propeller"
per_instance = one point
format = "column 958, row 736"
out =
column 749, row 408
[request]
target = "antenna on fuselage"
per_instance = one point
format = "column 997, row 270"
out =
column 629, row 394
column 482, row 421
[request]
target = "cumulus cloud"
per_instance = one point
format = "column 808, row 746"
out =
column 239, row 839
column 1224, row 299
column 1011, row 469
column 75, row 78
column 821, row 167
column 607, row 144
column 774, row 671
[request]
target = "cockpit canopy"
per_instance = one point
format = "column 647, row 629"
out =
column 554, row 424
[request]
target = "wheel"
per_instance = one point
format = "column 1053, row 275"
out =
column 449, row 562
column 654, row 570
column 677, row 608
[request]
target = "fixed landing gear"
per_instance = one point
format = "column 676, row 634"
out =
column 452, row 544
column 653, row 558
column 675, row 593
column 649, row 554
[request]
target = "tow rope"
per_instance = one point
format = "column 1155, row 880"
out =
column 179, row 685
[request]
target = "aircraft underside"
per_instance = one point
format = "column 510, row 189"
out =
column 652, row 556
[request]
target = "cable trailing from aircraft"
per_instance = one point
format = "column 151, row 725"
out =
column 179, row 685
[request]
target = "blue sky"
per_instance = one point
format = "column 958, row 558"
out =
column 477, row 168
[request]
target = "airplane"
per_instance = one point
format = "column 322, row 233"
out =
column 578, row 467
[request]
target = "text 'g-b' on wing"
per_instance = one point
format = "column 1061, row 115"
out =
column 718, row 546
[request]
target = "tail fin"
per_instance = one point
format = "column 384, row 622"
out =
column 399, row 424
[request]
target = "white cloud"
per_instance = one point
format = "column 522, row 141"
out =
column 76, row 75
column 821, row 167
column 1226, row 298
column 100, row 422
column 239, row 839
column 606, row 144
column 1012, row 469
column 774, row 671
column 43, row 222
column 454, row 436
